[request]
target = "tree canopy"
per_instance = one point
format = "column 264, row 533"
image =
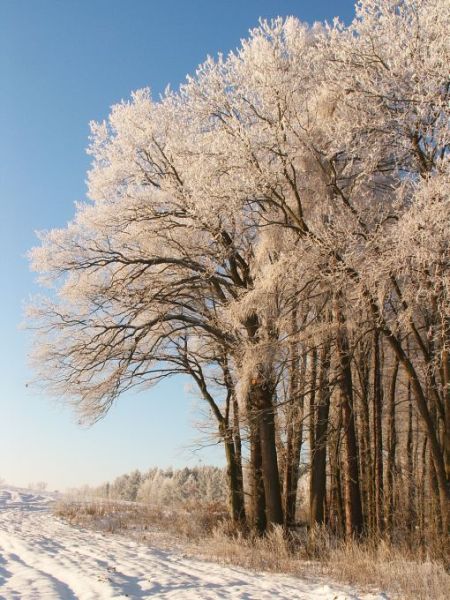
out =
column 277, row 229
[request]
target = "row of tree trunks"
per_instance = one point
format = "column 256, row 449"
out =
column 263, row 448
column 361, row 491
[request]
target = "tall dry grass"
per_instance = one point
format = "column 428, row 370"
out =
column 399, row 572
column 187, row 522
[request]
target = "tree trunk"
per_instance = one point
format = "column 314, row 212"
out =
column 238, row 454
column 353, row 508
column 266, row 423
column 392, row 446
column 236, row 492
column 445, row 378
column 312, row 401
column 378, row 433
column 317, row 488
column 257, row 496
column 366, row 461
column 261, row 409
column 227, row 433
column 337, row 515
column 423, row 486
column 410, row 465
column 294, row 436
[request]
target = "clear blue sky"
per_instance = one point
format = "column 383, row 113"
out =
column 62, row 64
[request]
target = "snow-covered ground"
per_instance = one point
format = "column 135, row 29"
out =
column 43, row 558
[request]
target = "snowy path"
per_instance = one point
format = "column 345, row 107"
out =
column 43, row 558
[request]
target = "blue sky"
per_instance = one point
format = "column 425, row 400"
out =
column 62, row 64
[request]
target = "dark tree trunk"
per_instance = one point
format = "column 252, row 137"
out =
column 423, row 485
column 227, row 433
column 262, row 411
column 235, row 483
column 353, row 508
column 238, row 450
column 257, row 496
column 262, row 394
column 445, row 370
column 392, row 446
column 312, row 401
column 410, row 465
column 366, row 460
column 294, row 435
column 337, row 514
column 438, row 517
column 378, row 433
column 319, row 451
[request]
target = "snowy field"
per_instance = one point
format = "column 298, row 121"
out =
column 43, row 558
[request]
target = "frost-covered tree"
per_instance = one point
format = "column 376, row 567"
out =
column 278, row 230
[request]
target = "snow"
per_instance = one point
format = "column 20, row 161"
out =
column 43, row 558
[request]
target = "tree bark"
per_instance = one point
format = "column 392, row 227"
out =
column 366, row 459
column 378, row 433
column 392, row 446
column 353, row 508
column 410, row 465
column 236, row 491
column 266, row 422
column 337, row 514
column 317, row 486
column 294, row 435
column 262, row 409
column 238, row 456
column 257, row 495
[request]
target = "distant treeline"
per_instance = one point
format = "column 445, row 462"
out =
column 163, row 487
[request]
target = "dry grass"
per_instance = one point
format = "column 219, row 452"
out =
column 395, row 571
column 205, row 532
column 391, row 569
column 141, row 520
